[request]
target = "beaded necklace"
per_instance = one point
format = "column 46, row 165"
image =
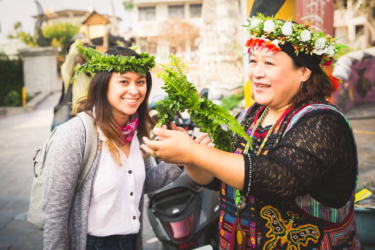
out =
column 240, row 200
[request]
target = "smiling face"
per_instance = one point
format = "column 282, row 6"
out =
column 125, row 94
column 274, row 78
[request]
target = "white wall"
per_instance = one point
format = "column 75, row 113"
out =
column 40, row 69
column 12, row 47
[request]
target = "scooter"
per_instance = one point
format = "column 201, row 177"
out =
column 184, row 216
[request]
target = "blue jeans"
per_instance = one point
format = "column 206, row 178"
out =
column 112, row 242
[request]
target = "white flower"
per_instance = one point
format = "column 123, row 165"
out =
column 320, row 43
column 276, row 42
column 269, row 26
column 330, row 51
column 254, row 23
column 305, row 36
column 287, row 29
column 320, row 51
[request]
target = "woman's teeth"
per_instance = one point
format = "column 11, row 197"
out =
column 263, row 86
column 129, row 100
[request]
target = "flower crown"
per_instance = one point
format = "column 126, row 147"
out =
column 271, row 32
column 103, row 62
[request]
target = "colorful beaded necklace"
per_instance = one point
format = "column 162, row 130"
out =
column 240, row 200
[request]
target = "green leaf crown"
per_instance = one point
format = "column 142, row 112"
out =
column 303, row 38
column 97, row 62
column 182, row 95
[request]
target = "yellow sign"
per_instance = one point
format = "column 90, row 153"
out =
column 363, row 194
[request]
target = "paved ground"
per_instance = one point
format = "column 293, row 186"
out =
column 22, row 134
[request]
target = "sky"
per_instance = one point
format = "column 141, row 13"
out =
column 12, row 11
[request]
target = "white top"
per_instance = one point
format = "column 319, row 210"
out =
column 117, row 190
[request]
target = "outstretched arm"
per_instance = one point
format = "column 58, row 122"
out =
column 202, row 162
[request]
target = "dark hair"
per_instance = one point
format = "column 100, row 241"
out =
column 315, row 87
column 97, row 97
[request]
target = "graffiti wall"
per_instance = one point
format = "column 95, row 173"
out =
column 356, row 70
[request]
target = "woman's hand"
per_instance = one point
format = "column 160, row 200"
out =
column 175, row 147
column 199, row 139
column 173, row 127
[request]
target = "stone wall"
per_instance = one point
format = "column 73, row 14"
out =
column 40, row 69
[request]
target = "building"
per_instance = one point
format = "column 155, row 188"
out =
column 75, row 17
column 102, row 30
column 152, row 19
column 354, row 27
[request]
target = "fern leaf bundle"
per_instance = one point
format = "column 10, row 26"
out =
column 182, row 95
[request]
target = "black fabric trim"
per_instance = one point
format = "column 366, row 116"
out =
column 247, row 172
column 214, row 185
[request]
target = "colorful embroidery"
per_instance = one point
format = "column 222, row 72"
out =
column 227, row 227
column 222, row 214
column 225, row 235
column 325, row 243
column 283, row 230
column 252, row 240
column 224, row 245
column 223, row 186
column 238, row 151
column 340, row 236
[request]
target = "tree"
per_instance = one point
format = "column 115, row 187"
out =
column 60, row 34
column 177, row 34
column 24, row 37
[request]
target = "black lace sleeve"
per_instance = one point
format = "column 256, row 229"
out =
column 317, row 156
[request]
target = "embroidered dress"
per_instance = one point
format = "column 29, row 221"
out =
column 302, row 183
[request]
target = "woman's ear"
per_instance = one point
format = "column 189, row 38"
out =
column 306, row 73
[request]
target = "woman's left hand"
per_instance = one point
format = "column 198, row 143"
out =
column 176, row 147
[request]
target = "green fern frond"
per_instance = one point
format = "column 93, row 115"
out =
column 183, row 95
column 87, row 53
column 176, row 61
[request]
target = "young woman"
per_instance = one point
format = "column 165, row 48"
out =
column 106, row 213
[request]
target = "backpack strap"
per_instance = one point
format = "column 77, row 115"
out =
column 91, row 148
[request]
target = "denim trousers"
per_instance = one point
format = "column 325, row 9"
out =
column 112, row 242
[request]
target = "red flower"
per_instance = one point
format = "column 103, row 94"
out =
column 329, row 62
column 335, row 82
column 260, row 43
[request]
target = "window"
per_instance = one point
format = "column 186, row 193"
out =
column 147, row 13
column 176, row 11
column 195, row 10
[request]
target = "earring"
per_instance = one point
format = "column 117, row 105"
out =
column 302, row 84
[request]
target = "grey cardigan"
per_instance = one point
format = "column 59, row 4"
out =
column 65, row 213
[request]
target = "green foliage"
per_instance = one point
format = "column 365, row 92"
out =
column 12, row 99
column 11, row 81
column 128, row 5
column 24, row 37
column 231, row 101
column 182, row 95
column 104, row 62
column 60, row 34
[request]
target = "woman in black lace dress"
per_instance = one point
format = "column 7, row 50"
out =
column 294, row 188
